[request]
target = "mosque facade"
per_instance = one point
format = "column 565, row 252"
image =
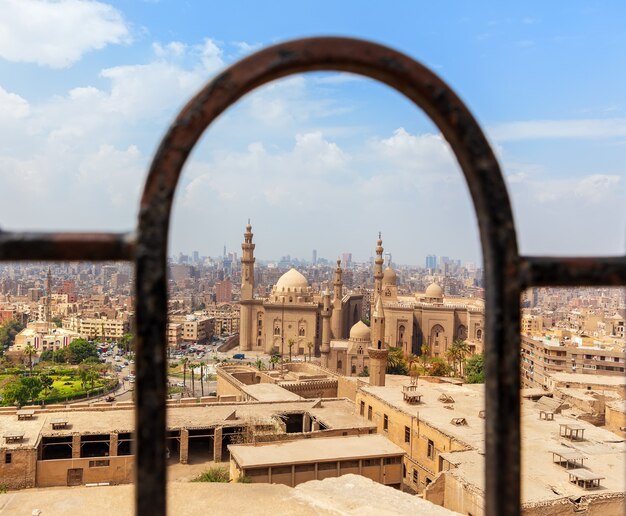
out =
column 330, row 326
column 293, row 314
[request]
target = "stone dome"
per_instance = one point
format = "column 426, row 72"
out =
column 389, row 276
column 360, row 331
column 292, row 281
column 434, row 290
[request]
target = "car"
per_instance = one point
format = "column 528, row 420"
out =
column 109, row 398
column 239, row 356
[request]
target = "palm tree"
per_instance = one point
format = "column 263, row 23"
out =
column 290, row 343
column 184, row 361
column 274, row 359
column 259, row 364
column 202, row 378
column 424, row 355
column 30, row 351
column 456, row 353
column 193, row 366
column 310, row 346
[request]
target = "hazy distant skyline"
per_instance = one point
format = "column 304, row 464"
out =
column 318, row 161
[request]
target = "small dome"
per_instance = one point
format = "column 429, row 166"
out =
column 389, row 276
column 360, row 331
column 292, row 279
column 434, row 290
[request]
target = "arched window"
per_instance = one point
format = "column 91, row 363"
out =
column 301, row 332
column 401, row 330
column 353, row 369
column 479, row 334
column 359, row 351
column 277, row 330
column 461, row 332
column 437, row 334
column 339, row 364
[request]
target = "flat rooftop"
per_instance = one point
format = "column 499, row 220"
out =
column 269, row 392
column 335, row 413
column 590, row 379
column 305, row 450
column 345, row 495
column 542, row 480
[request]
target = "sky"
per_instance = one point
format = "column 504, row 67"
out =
column 317, row 161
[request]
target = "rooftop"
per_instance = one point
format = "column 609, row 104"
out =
column 304, row 451
column 333, row 413
column 329, row 497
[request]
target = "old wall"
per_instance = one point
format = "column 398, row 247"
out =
column 20, row 473
column 54, row 472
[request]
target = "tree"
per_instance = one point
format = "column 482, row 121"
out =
column 57, row 321
column 21, row 390
column 258, row 363
column 60, row 356
column 396, row 363
column 29, row 350
column 46, row 382
column 127, row 341
column 201, row 378
column 310, row 346
column 290, row 343
column 274, row 359
column 456, row 354
column 439, row 367
column 80, row 350
column 475, row 369
column 184, row 361
column 46, row 356
column 424, row 355
column 8, row 331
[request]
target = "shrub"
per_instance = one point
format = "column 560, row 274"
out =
column 215, row 474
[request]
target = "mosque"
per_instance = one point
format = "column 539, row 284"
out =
column 423, row 322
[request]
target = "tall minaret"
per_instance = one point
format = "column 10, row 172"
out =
column 326, row 312
column 337, row 319
column 247, row 265
column 48, row 314
column 378, row 350
column 378, row 270
column 247, row 290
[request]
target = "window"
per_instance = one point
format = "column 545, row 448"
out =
column 385, row 422
column 98, row 463
column 362, row 408
column 431, row 449
column 407, row 434
column 277, row 331
column 301, row 332
column 415, row 477
column 369, row 412
column 392, row 460
column 8, row 458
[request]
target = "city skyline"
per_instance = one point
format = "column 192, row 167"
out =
column 319, row 161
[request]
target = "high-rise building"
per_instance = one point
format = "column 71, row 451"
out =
column 431, row 261
column 314, row 257
column 224, row 291
column 346, row 259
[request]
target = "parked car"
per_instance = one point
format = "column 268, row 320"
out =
column 239, row 356
column 109, row 398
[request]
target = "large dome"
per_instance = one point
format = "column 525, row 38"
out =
column 292, row 281
column 389, row 276
column 360, row 331
column 434, row 290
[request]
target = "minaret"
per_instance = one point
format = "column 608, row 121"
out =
column 378, row 350
column 247, row 290
column 337, row 319
column 247, row 265
column 48, row 314
column 326, row 312
column 378, row 270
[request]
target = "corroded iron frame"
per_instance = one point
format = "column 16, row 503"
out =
column 506, row 272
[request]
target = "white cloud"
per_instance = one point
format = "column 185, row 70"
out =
column 12, row 106
column 57, row 34
column 559, row 129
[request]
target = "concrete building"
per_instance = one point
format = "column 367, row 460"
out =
column 295, row 462
column 98, row 327
column 550, row 352
column 441, row 428
column 43, row 337
column 195, row 328
column 81, row 444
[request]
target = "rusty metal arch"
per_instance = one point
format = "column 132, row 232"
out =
column 489, row 196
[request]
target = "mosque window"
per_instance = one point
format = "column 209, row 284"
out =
column 277, row 330
column 301, row 332
column 479, row 334
column 353, row 369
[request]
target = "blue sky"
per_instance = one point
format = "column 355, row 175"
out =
column 319, row 161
